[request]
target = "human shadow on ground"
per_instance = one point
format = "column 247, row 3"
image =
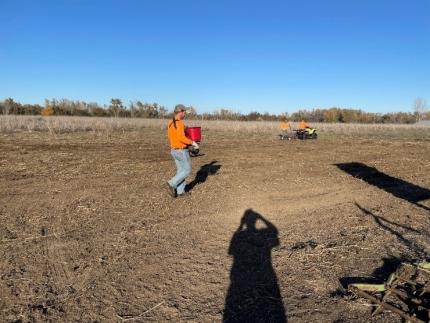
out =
column 203, row 173
column 253, row 294
column 399, row 188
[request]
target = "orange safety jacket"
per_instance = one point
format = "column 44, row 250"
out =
column 284, row 126
column 176, row 134
column 303, row 125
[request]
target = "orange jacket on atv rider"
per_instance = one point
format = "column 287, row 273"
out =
column 303, row 125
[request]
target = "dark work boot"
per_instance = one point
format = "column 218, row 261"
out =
column 170, row 189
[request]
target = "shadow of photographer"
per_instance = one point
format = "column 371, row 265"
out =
column 253, row 294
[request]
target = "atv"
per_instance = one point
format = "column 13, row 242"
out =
column 307, row 133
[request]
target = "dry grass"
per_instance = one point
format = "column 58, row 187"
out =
column 73, row 124
column 62, row 124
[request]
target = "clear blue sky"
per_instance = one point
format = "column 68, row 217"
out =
column 272, row 56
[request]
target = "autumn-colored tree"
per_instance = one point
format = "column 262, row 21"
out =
column 48, row 111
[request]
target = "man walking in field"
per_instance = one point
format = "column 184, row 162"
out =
column 179, row 151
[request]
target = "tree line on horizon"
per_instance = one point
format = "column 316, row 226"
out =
column 139, row 109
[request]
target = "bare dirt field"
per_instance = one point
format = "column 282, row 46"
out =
column 270, row 233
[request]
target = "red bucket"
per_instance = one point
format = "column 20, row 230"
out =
column 194, row 133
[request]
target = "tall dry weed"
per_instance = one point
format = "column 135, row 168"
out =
column 63, row 124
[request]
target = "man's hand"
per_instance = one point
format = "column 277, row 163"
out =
column 195, row 145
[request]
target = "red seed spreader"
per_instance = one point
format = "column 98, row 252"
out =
column 195, row 134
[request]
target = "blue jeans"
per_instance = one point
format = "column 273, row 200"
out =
column 183, row 169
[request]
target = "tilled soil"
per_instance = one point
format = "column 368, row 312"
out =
column 272, row 231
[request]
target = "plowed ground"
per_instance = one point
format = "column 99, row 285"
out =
column 87, row 233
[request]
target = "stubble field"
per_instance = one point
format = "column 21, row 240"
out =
column 270, row 232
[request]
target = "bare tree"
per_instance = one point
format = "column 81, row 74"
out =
column 192, row 112
column 132, row 109
column 9, row 106
column 420, row 108
column 116, row 107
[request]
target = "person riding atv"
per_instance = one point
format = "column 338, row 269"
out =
column 305, row 131
column 303, row 125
